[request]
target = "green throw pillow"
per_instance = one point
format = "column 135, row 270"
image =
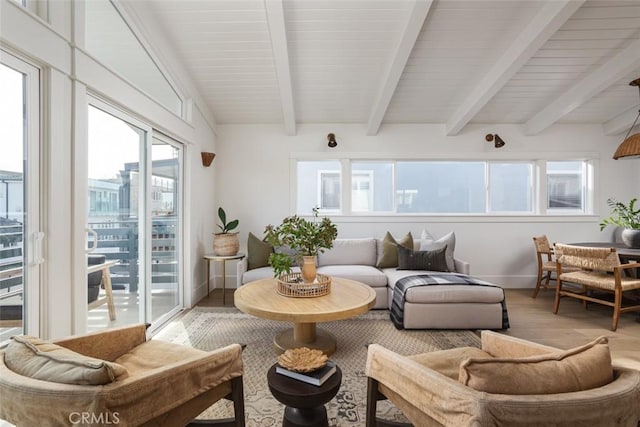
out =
column 389, row 257
column 257, row 252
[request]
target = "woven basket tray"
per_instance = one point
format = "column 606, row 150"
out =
column 291, row 285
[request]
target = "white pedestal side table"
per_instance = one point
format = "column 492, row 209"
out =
column 223, row 259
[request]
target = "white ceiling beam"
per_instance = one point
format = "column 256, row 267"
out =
column 549, row 20
column 623, row 63
column 417, row 15
column 278, row 33
column 620, row 123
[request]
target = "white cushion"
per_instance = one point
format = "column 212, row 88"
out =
column 261, row 273
column 350, row 251
column 362, row 273
column 429, row 243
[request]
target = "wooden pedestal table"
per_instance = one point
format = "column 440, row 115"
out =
column 304, row 402
column 347, row 298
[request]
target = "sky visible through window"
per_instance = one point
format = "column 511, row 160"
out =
column 11, row 125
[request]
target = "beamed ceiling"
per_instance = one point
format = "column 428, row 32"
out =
column 375, row 62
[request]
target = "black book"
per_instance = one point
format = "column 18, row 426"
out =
column 317, row 377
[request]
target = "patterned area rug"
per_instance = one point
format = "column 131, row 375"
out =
column 210, row 328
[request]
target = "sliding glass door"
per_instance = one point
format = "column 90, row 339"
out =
column 134, row 221
column 20, row 236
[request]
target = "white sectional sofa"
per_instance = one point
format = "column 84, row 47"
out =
column 430, row 307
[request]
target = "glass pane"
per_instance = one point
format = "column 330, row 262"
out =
column 111, row 41
column 319, row 185
column 440, row 187
column 371, row 187
column 165, row 232
column 510, row 188
column 12, row 202
column 565, row 185
column 115, row 207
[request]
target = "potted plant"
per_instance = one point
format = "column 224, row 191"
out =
column 304, row 240
column 226, row 243
column 626, row 217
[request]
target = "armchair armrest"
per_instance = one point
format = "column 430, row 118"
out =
column 462, row 267
column 500, row 345
column 106, row 345
column 441, row 398
column 241, row 268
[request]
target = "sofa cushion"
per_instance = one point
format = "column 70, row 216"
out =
column 428, row 242
column 258, row 252
column 350, row 251
column 433, row 260
column 362, row 273
column 34, row 358
column 388, row 251
column 577, row 369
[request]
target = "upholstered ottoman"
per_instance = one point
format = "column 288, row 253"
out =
column 459, row 306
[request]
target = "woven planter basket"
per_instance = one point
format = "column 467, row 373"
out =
column 226, row 244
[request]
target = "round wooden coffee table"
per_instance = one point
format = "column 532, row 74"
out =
column 347, row 298
column 304, row 402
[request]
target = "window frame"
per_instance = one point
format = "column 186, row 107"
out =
column 538, row 186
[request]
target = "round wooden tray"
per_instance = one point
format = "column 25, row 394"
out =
column 291, row 285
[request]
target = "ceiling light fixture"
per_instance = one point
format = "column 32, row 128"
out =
column 332, row 141
column 499, row 142
column 630, row 146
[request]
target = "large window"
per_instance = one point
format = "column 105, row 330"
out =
column 443, row 187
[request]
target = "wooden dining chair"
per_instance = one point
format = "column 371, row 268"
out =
column 597, row 269
column 546, row 263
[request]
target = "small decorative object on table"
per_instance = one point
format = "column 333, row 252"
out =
column 292, row 285
column 626, row 216
column 226, row 243
column 304, row 240
column 304, row 364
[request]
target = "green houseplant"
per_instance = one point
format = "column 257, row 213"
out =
column 305, row 239
column 226, row 243
column 627, row 217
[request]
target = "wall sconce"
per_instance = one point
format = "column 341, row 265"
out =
column 207, row 158
column 499, row 142
column 630, row 146
column 332, row 141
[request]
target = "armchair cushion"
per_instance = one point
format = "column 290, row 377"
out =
column 581, row 368
column 34, row 358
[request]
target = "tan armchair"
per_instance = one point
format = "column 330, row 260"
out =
column 595, row 269
column 427, row 390
column 164, row 384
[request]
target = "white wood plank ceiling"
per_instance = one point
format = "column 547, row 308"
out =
column 375, row 62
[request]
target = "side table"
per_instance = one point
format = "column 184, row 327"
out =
column 213, row 257
column 304, row 402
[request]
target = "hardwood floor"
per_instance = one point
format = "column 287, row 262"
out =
column 533, row 319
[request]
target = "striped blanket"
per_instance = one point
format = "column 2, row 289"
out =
column 431, row 279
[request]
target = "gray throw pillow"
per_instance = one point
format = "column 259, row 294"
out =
column 434, row 260
column 449, row 240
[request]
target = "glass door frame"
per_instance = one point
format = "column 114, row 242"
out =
column 145, row 224
column 180, row 226
column 33, row 249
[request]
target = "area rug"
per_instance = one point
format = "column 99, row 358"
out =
column 211, row 328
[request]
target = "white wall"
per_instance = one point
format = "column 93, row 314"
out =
column 253, row 173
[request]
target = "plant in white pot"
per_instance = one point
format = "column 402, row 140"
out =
column 226, row 243
column 627, row 217
column 303, row 240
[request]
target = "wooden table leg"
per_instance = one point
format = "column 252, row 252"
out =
column 108, row 290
